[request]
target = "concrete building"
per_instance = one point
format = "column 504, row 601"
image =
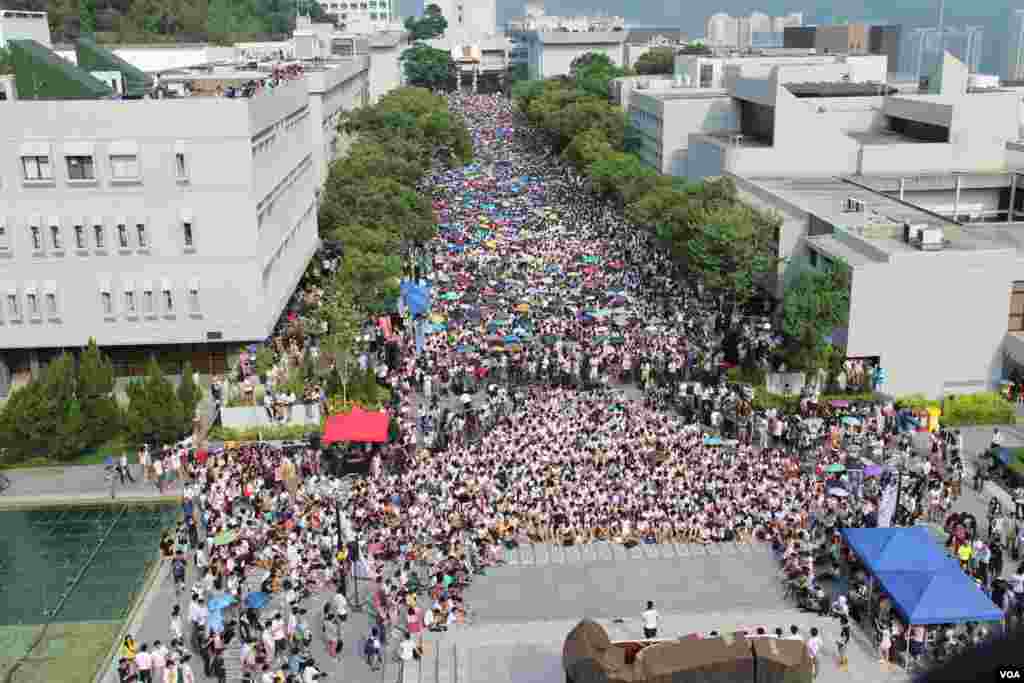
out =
column 708, row 69
column 183, row 222
column 469, row 20
column 551, row 52
column 363, row 16
column 839, row 39
column 885, row 40
column 641, row 41
column 1014, row 69
column 18, row 25
column 916, row 195
column 723, row 30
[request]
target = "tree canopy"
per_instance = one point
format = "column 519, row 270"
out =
column 427, row 67
column 657, row 60
column 431, row 25
column 813, row 307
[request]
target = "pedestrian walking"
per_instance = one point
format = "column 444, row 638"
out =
column 650, row 620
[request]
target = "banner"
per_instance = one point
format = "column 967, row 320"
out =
column 890, row 492
column 420, row 335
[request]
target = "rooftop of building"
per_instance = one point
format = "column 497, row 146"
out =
column 683, row 93
column 642, row 36
column 936, row 181
column 839, row 89
column 878, row 227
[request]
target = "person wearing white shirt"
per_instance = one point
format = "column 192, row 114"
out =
column 650, row 619
column 144, row 664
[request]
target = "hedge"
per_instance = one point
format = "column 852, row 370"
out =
column 267, row 433
column 917, row 402
column 983, row 408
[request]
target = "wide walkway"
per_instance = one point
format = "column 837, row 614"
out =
column 77, row 484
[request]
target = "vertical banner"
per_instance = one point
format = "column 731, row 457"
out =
column 890, row 492
column 419, row 335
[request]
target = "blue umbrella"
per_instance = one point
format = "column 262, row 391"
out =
column 256, row 600
column 109, row 461
column 215, row 621
column 220, row 601
column 712, row 441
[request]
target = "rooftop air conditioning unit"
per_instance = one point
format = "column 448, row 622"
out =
column 932, row 239
column 853, row 205
column 912, row 233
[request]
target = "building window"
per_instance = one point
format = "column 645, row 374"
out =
column 107, row 299
column 812, row 256
column 81, row 168
column 3, row 238
column 179, row 165
column 193, row 299
column 124, row 167
column 97, row 230
column 79, row 237
column 55, row 237
column 36, row 168
column 37, row 238
column 32, row 301
column 129, row 302
column 51, row 304
column 140, row 231
column 122, row 236
column 186, row 228
column 147, row 302
column 168, row 301
column 13, row 312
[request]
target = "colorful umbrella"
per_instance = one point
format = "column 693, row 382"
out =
column 225, row 537
column 839, row 493
column 220, row 601
column 835, row 468
column 256, row 600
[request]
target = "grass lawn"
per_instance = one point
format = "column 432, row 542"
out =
column 68, row 652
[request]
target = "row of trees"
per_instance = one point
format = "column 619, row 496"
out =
column 431, row 25
column 727, row 244
column 372, row 206
column 72, row 407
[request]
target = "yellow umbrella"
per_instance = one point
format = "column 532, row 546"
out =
column 436, row 318
column 491, row 244
column 523, row 308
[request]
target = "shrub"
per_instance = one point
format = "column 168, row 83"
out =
column 267, row 433
column 983, row 408
column 917, row 402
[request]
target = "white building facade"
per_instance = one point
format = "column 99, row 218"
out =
column 723, row 30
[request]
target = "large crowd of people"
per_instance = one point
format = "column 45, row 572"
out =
column 546, row 302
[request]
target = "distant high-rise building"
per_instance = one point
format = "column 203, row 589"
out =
column 833, row 39
column 722, row 30
column 469, row 19
column 885, row 40
column 1014, row 70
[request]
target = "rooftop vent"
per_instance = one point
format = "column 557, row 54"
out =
column 853, row 205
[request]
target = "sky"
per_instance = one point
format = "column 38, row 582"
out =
column 689, row 16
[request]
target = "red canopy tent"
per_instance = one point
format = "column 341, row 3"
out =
column 359, row 426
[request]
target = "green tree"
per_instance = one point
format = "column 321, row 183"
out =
column 623, row 174
column 25, row 431
column 815, row 305
column 587, row 147
column 732, row 249
column 189, row 393
column 340, row 343
column 431, row 25
column 427, row 67
column 593, row 71
column 87, row 17
column 6, row 64
column 220, row 21
column 154, row 414
column 658, row 60
column 372, row 277
column 99, row 408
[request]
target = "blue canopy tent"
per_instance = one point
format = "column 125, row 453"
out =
column 898, row 549
column 948, row 597
column 416, row 298
column 926, row 585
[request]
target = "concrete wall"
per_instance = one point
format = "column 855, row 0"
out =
column 705, row 158
column 552, row 53
column 331, row 93
column 29, row 26
column 385, row 69
column 685, row 116
column 901, row 311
